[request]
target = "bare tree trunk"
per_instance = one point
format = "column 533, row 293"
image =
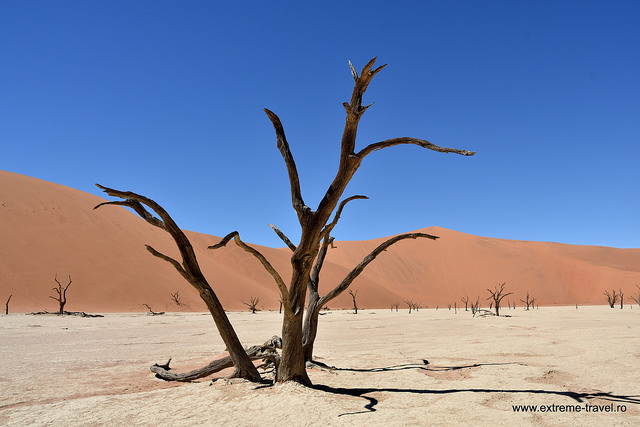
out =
column 6, row 305
column 310, row 326
column 353, row 297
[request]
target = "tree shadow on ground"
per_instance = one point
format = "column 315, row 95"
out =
column 364, row 392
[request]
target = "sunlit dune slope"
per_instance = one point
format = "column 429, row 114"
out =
column 48, row 229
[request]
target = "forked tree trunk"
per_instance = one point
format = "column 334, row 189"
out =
column 314, row 224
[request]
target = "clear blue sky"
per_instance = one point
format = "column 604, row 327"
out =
column 166, row 99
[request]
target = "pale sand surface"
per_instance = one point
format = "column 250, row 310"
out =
column 94, row 371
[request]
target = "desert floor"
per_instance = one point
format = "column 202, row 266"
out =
column 95, row 371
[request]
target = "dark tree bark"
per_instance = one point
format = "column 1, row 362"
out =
column 62, row 294
column 189, row 269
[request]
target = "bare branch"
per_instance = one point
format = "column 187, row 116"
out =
column 406, row 140
column 366, row 261
column 265, row 263
column 283, row 237
column 132, row 203
column 294, row 181
column 329, row 227
column 170, row 260
column 354, row 73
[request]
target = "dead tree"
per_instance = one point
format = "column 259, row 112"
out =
column 411, row 305
column 6, row 305
column 189, row 269
column 465, row 300
column 636, row 298
column 353, row 297
column 621, row 299
column 529, row 301
column 252, row 304
column 315, row 227
column 153, row 313
column 475, row 306
column 62, row 294
column 497, row 295
column 175, row 297
column 612, row 298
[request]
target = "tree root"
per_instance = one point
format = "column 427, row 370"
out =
column 266, row 352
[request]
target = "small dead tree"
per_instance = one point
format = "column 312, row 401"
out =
column 612, row 298
column 475, row 306
column 175, row 297
column 62, row 294
column 6, row 305
column 636, row 297
column 465, row 300
column 529, row 301
column 621, row 299
column 497, row 295
column 353, row 297
column 252, row 304
column 412, row 305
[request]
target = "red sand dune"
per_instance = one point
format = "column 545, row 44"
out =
column 47, row 228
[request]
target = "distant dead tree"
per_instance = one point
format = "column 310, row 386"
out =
column 636, row 297
column 475, row 306
column 353, row 297
column 412, row 305
column 280, row 309
column 175, row 297
column 153, row 313
column 497, row 295
column 252, row 304
column 529, row 301
column 394, row 306
column 621, row 299
column 612, row 298
column 6, row 305
column 465, row 300
column 62, row 294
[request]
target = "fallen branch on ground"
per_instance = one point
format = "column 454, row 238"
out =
column 266, row 352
